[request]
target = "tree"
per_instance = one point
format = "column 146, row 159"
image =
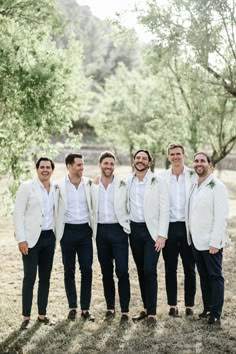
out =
column 42, row 87
column 134, row 111
column 199, row 36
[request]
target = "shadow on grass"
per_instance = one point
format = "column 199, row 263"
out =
column 18, row 339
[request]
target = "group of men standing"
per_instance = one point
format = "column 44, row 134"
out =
column 181, row 211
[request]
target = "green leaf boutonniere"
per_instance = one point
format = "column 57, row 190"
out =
column 90, row 181
column 211, row 184
column 122, row 183
column 192, row 172
column 56, row 187
column 153, row 180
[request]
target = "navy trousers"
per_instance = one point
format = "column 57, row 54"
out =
column 77, row 240
column 176, row 245
column 211, row 280
column 40, row 257
column 112, row 246
column 145, row 258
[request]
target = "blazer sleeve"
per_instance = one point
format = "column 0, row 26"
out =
column 22, row 196
column 220, row 210
column 164, row 208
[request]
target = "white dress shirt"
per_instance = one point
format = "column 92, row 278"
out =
column 106, row 210
column 137, row 199
column 77, row 211
column 48, row 206
column 177, row 198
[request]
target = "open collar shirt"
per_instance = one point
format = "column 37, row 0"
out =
column 77, row 211
column 137, row 199
column 48, row 207
column 106, row 210
column 177, row 197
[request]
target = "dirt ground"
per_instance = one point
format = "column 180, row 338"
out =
column 171, row 335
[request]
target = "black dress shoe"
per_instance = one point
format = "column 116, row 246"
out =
column 124, row 318
column 188, row 312
column 140, row 317
column 26, row 324
column 204, row 314
column 109, row 315
column 174, row 312
column 151, row 321
column 72, row 315
column 46, row 321
column 87, row 316
column 214, row 321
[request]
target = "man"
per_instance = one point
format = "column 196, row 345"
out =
column 207, row 211
column 34, row 223
column 149, row 215
column 75, row 234
column 111, row 229
column 179, row 179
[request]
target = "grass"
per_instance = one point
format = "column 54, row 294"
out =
column 171, row 336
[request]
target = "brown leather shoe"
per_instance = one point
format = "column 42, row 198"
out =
column 87, row 316
column 188, row 312
column 109, row 315
column 151, row 321
column 174, row 312
column 26, row 324
column 140, row 317
column 72, row 315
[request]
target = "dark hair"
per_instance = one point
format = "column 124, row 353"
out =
column 174, row 146
column 70, row 159
column 203, row 153
column 146, row 152
column 44, row 159
column 106, row 154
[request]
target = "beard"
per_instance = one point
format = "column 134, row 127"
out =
column 140, row 167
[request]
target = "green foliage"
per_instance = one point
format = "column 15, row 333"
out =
column 135, row 111
column 195, row 41
column 42, row 88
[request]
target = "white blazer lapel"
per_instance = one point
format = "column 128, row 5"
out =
column 38, row 192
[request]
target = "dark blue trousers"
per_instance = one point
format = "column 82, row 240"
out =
column 40, row 257
column 176, row 245
column 77, row 240
column 145, row 257
column 112, row 245
column 211, row 280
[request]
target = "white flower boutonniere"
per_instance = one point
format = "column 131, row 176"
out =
column 211, row 184
column 122, row 183
column 153, row 180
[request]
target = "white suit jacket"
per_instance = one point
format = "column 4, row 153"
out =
column 156, row 204
column 120, row 204
column 207, row 217
column 60, row 187
column 189, row 175
column 28, row 212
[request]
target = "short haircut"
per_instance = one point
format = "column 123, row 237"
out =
column 146, row 152
column 44, row 159
column 106, row 154
column 70, row 159
column 203, row 153
column 174, row 146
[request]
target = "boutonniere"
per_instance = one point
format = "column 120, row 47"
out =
column 90, row 181
column 192, row 172
column 56, row 187
column 153, row 180
column 211, row 184
column 122, row 183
